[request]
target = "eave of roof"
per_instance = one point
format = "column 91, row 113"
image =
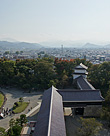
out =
column 81, row 96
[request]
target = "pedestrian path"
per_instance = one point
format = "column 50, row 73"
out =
column 34, row 109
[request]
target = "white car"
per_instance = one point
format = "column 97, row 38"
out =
column 1, row 115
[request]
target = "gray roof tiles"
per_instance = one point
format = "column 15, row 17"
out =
column 50, row 120
column 81, row 95
column 84, row 84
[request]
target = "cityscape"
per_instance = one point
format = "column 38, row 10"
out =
column 94, row 55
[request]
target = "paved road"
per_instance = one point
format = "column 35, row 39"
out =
column 13, row 95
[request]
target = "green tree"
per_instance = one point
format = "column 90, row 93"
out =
column 7, row 72
column 2, row 132
column 105, row 115
column 93, row 75
column 22, row 119
column 21, row 52
column 64, row 81
column 16, row 130
column 106, row 109
column 21, row 99
column 7, row 52
column 10, row 132
column 89, row 126
column 52, row 82
column 99, row 76
column 44, row 72
column 17, row 52
column 12, row 122
column 16, row 125
column 107, row 100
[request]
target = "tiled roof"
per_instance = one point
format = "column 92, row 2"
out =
column 50, row 120
column 84, row 84
column 81, row 95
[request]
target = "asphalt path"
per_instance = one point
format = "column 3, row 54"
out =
column 13, row 95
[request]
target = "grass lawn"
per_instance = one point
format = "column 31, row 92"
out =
column 19, row 107
column 1, row 99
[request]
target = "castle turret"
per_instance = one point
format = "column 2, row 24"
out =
column 80, row 70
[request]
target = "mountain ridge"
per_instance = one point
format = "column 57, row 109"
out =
column 19, row 45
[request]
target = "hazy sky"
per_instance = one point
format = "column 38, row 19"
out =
column 47, row 20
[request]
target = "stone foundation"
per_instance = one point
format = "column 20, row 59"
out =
column 92, row 110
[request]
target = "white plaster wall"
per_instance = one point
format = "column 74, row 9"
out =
column 75, row 76
column 80, row 71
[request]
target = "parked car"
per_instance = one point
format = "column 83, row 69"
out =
column 1, row 115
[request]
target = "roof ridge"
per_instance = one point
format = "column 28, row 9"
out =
column 50, row 113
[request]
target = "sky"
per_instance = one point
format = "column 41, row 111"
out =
column 52, row 20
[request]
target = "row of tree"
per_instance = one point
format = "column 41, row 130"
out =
column 42, row 73
column 37, row 73
column 27, row 74
column 99, row 76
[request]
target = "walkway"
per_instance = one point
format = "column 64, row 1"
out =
column 13, row 95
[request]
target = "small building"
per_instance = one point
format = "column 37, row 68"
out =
column 26, row 131
column 102, row 58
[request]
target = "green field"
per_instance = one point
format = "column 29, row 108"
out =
column 1, row 99
column 20, row 107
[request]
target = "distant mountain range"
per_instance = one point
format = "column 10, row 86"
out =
column 107, row 46
column 72, row 44
column 90, row 45
column 57, row 44
column 5, row 45
column 8, row 39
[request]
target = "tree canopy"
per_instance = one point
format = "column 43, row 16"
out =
column 40, row 74
column 89, row 127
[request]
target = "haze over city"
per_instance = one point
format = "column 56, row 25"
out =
column 39, row 21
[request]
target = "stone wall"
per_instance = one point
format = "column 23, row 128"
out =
column 92, row 110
